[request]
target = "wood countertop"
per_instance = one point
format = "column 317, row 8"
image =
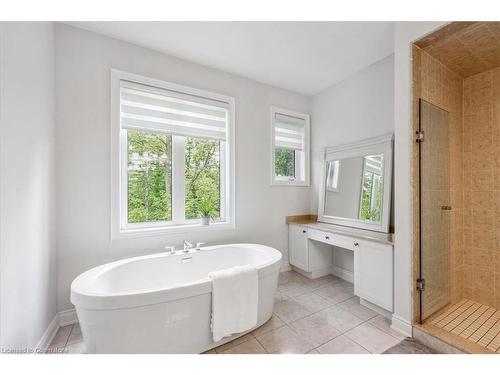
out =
column 310, row 221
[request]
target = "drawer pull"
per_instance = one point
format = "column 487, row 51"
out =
column 327, row 237
column 303, row 231
column 356, row 244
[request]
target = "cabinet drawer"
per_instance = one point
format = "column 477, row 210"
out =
column 331, row 238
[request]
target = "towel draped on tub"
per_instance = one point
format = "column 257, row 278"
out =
column 234, row 300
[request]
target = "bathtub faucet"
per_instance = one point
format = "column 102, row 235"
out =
column 187, row 245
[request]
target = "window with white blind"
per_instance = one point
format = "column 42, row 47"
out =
column 289, row 147
column 173, row 154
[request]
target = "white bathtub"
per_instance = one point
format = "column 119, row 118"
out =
column 161, row 303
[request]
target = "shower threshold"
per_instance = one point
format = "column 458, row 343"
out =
column 467, row 325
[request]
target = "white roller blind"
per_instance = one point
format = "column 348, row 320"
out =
column 289, row 132
column 145, row 107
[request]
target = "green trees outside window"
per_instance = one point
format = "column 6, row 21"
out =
column 202, row 158
column 284, row 162
column 150, row 176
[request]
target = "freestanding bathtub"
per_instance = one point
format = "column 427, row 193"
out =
column 161, row 303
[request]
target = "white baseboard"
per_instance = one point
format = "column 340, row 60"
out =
column 401, row 325
column 67, row 317
column 313, row 274
column 285, row 267
column 61, row 319
column 375, row 308
column 49, row 334
column 343, row 274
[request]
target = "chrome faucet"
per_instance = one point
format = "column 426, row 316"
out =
column 187, row 245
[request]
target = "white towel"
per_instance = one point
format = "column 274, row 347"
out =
column 234, row 300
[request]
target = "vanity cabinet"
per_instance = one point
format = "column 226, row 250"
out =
column 310, row 249
column 373, row 272
column 297, row 248
column 309, row 256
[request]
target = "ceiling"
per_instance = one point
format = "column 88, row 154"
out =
column 467, row 48
column 305, row 57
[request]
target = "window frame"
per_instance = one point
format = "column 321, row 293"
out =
column 120, row 228
column 299, row 163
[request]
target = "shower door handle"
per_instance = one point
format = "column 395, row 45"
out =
column 446, row 208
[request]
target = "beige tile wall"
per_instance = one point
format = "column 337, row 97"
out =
column 438, row 85
column 467, row 48
column 481, row 201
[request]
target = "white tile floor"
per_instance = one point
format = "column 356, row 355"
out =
column 310, row 316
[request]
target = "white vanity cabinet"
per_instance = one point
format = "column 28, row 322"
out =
column 373, row 272
column 314, row 258
column 297, row 247
column 311, row 249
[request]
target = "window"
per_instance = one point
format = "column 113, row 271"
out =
column 289, row 148
column 172, row 154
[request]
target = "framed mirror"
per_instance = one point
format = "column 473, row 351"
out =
column 356, row 183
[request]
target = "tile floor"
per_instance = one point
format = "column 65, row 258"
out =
column 472, row 321
column 310, row 316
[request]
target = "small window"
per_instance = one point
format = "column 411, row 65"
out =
column 289, row 148
column 172, row 157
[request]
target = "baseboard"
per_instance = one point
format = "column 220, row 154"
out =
column 49, row 334
column 375, row 308
column 343, row 274
column 313, row 274
column 285, row 267
column 401, row 325
column 67, row 317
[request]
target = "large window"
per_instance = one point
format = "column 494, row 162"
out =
column 172, row 156
column 289, row 147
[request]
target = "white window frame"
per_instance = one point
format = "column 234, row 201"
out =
column 299, row 163
column 120, row 229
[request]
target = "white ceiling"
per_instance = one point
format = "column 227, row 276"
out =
column 306, row 57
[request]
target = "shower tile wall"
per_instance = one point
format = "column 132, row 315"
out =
column 438, row 85
column 481, row 180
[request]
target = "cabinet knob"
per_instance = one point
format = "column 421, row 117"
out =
column 303, row 231
column 356, row 244
column 327, row 237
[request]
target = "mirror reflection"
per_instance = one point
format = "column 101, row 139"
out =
column 354, row 188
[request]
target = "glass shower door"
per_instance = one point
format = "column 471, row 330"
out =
column 434, row 172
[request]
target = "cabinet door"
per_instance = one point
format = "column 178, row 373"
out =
column 373, row 273
column 297, row 247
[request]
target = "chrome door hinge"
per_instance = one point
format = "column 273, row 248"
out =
column 420, row 284
column 419, row 136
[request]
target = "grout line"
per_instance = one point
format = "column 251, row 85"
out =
column 470, row 311
column 67, row 338
column 450, row 310
column 487, row 315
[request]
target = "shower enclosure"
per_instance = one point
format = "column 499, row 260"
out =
column 434, row 170
column 456, row 185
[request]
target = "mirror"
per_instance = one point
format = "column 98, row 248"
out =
column 357, row 183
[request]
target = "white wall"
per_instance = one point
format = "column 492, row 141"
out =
column 405, row 34
column 27, row 240
column 83, row 63
column 362, row 106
